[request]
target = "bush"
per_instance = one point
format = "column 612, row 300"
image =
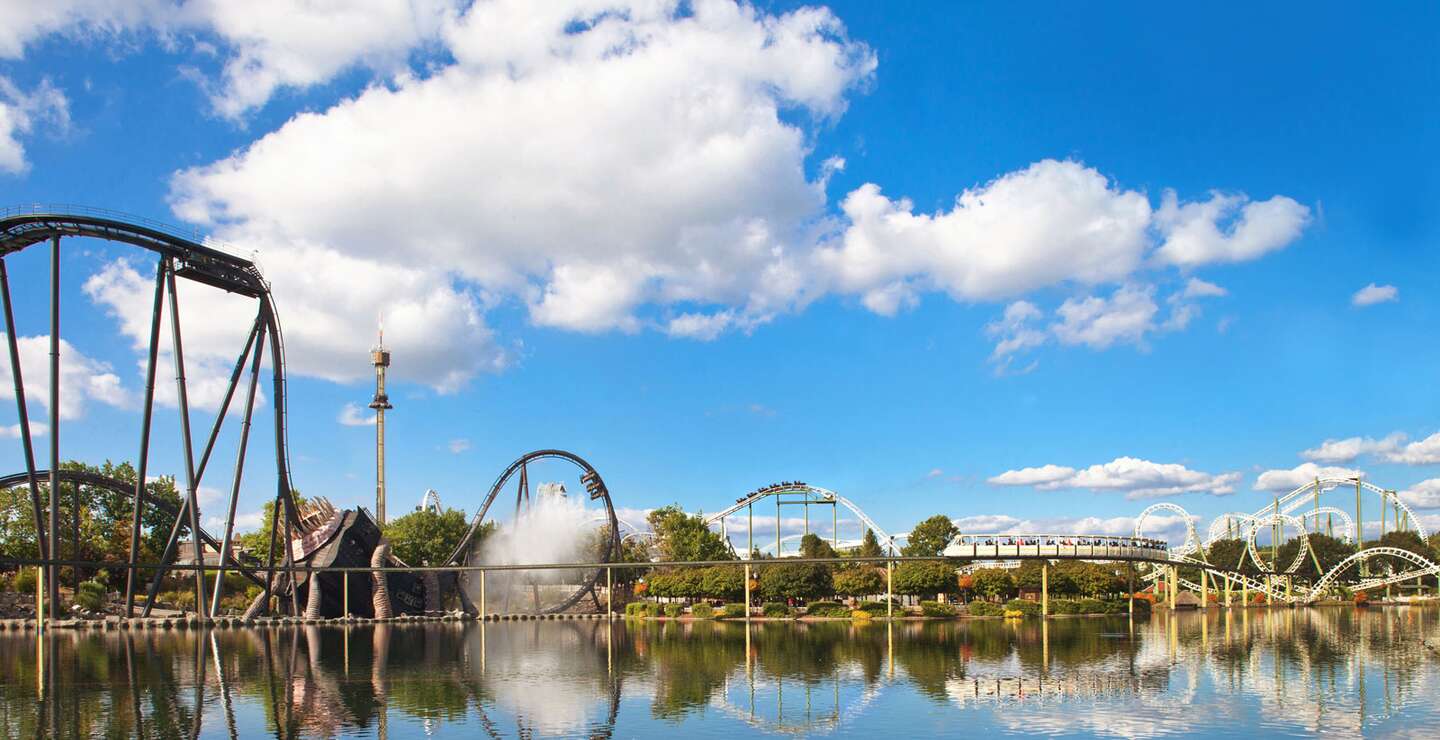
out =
column 181, row 599
column 984, row 609
column 638, row 609
column 702, row 611
column 91, row 596
column 936, row 609
column 827, row 609
column 733, row 611
column 774, row 609
column 1065, row 606
column 24, row 581
column 875, row 607
column 1024, row 607
column 674, row 610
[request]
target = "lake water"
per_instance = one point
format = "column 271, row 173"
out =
column 1246, row 673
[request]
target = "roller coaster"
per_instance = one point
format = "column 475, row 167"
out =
column 305, row 540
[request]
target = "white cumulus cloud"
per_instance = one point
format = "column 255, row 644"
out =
column 1226, row 228
column 1282, row 481
column 20, row 112
column 1373, row 294
column 1421, row 452
column 83, row 380
column 351, row 415
column 1348, row 450
column 1135, row 477
column 1423, row 495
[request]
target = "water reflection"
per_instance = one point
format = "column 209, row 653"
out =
column 1317, row 670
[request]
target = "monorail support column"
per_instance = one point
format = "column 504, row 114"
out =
column 1044, row 588
column 747, row 601
column 1130, row 586
column 889, row 589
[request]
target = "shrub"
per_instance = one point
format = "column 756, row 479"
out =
column 1024, row 607
column 874, row 607
column 91, row 596
column 827, row 609
column 936, row 609
column 774, row 609
column 984, row 609
column 181, row 599
column 24, row 580
column 702, row 611
column 1065, row 606
column 733, row 611
column 1092, row 606
column 674, row 610
column 638, row 609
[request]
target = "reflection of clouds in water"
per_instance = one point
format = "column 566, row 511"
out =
column 546, row 678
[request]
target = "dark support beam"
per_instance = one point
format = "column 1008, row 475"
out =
column 225, row 403
column 285, row 493
column 189, row 450
column 52, row 575
column 37, row 507
column 259, row 342
column 166, row 557
column 147, row 414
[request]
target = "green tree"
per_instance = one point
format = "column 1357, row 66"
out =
column 106, row 518
column 925, row 578
column 426, row 536
column 257, row 543
column 1329, row 551
column 869, row 545
column 682, row 537
column 1232, row 553
column 858, row 581
column 929, row 538
column 725, row 582
column 994, row 583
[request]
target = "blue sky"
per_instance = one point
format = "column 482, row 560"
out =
column 629, row 234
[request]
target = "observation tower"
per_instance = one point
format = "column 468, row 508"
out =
column 380, row 358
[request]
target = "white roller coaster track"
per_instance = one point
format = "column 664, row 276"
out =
column 1425, row 567
column 1282, row 519
column 1292, row 510
column 823, row 495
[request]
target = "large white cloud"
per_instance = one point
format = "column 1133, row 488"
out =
column 1281, row 481
column 328, row 304
column 1135, row 477
column 265, row 45
column 1049, row 223
column 618, row 165
column 1423, row 495
column 20, row 112
column 642, row 159
column 83, row 380
column 1226, row 228
column 1348, row 450
column 1420, row 452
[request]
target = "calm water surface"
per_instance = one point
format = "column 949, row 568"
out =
column 1268, row 673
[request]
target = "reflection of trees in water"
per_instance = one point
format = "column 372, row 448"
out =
column 542, row 678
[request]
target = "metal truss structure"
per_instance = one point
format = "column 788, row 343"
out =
column 519, row 471
column 794, row 493
column 177, row 257
column 1292, row 510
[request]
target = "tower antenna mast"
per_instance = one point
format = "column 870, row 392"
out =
column 380, row 358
